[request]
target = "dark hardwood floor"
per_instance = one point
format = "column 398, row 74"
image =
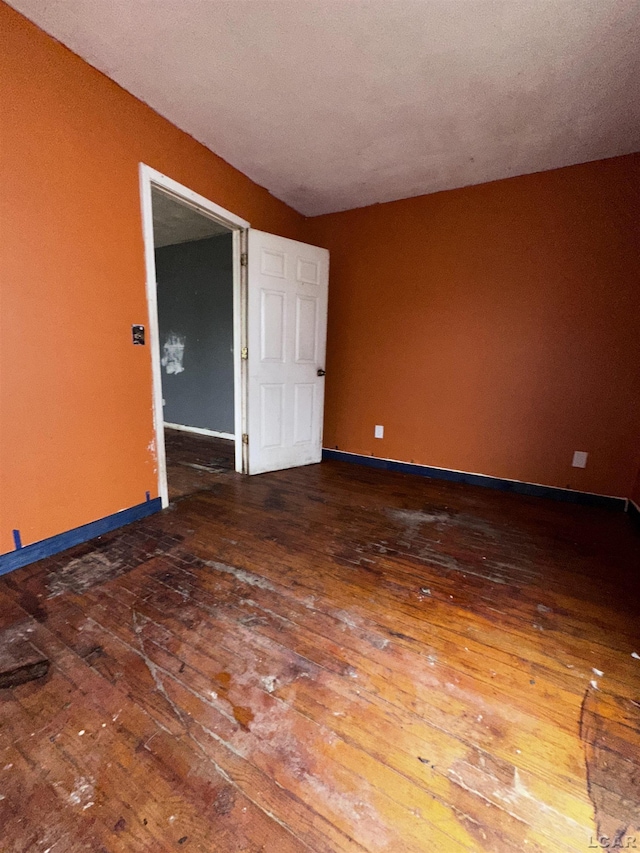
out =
column 193, row 461
column 329, row 659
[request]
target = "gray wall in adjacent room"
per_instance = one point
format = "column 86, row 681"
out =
column 195, row 308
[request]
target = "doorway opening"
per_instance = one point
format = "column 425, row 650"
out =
column 194, row 289
column 280, row 293
column 194, row 278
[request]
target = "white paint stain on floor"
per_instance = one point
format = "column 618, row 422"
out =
column 241, row 575
column 82, row 573
column 82, row 792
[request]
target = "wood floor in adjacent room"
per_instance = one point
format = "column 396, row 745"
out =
column 329, row 659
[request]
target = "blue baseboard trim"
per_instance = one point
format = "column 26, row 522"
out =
column 54, row 544
column 516, row 486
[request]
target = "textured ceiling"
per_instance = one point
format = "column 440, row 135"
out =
column 333, row 104
column 177, row 223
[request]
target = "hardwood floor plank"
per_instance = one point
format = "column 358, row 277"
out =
column 328, row 659
column 313, row 685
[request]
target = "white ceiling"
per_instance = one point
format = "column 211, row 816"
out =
column 178, row 223
column 334, row 104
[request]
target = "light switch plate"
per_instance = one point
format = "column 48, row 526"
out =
column 378, row 431
column 137, row 335
column 580, row 459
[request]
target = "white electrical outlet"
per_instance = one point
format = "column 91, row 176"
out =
column 580, row 459
column 378, row 431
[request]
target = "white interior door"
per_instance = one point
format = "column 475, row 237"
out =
column 288, row 285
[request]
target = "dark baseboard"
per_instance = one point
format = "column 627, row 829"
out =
column 26, row 554
column 516, row 486
column 634, row 513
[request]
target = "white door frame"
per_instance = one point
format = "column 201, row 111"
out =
column 150, row 178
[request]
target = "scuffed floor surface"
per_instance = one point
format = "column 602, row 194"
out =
column 330, row 659
column 193, row 461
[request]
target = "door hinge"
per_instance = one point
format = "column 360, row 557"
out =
column 245, row 438
column 244, row 259
column 244, row 354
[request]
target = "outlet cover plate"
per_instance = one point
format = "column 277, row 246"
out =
column 580, row 459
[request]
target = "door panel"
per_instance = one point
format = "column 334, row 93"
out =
column 303, row 412
column 306, row 329
column 287, row 328
column 272, row 325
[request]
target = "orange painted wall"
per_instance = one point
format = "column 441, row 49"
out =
column 489, row 329
column 75, row 405
column 492, row 329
